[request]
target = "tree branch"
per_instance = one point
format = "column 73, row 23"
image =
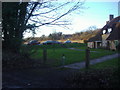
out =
column 53, row 22
column 52, row 9
column 30, row 14
column 53, row 19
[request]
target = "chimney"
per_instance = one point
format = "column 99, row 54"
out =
column 111, row 17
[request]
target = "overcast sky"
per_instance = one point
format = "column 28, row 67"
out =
column 96, row 15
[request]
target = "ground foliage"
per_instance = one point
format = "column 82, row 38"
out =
column 95, row 78
column 11, row 61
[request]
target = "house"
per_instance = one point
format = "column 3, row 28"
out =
column 95, row 42
column 109, row 35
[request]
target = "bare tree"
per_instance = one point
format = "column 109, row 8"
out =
column 50, row 12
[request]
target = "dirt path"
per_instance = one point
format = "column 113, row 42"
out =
column 82, row 64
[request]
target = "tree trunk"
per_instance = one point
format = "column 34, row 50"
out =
column 13, row 25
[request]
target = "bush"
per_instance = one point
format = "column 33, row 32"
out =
column 118, row 47
column 12, row 60
column 95, row 78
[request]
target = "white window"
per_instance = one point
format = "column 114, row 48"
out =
column 109, row 30
column 104, row 31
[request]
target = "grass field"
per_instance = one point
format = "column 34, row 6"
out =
column 55, row 52
column 113, row 63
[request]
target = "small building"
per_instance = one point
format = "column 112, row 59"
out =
column 96, row 41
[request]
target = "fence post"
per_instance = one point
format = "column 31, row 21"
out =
column 63, row 59
column 44, row 55
column 87, row 63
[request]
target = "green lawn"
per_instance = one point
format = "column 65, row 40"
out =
column 100, row 53
column 54, row 56
column 113, row 63
column 55, row 52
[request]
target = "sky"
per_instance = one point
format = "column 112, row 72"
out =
column 96, row 14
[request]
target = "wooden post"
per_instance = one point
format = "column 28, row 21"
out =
column 44, row 55
column 63, row 59
column 87, row 58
